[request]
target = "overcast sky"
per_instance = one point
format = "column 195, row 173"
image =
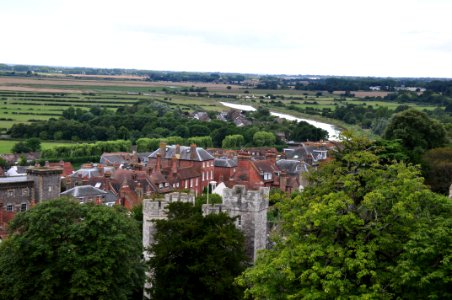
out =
column 410, row 38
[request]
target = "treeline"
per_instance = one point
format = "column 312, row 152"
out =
column 153, row 119
column 353, row 84
column 85, row 150
column 195, row 77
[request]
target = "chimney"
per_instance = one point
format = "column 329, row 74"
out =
column 177, row 151
column 162, row 149
column 157, row 166
column 139, row 191
column 243, row 160
column 174, row 165
column 62, row 163
column 193, row 154
column 47, row 164
column 100, row 168
column 283, row 181
column 271, row 157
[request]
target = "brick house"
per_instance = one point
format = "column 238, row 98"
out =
column 183, row 167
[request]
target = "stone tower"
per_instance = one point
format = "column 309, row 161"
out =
column 250, row 210
column 47, row 182
column 156, row 210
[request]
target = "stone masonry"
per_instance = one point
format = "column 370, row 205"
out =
column 47, row 183
column 156, row 210
column 249, row 207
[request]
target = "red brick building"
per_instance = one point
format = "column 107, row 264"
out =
column 183, row 167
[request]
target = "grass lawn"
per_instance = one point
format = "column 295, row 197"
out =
column 6, row 145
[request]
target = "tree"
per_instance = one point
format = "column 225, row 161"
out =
column 20, row 147
column 416, row 131
column 233, row 141
column 196, row 257
column 437, row 167
column 264, row 138
column 34, row 144
column 360, row 230
column 63, row 250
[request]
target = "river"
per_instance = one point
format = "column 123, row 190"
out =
column 333, row 131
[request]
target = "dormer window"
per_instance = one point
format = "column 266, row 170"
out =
column 267, row 176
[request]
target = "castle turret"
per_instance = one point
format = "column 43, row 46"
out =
column 47, row 182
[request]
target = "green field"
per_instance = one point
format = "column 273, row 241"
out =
column 6, row 145
column 48, row 98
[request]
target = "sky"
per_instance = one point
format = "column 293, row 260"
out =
column 397, row 38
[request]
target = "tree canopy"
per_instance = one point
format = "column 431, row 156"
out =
column 362, row 229
column 61, row 249
column 416, row 131
column 196, row 257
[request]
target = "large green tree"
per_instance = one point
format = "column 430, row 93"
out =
column 63, row 250
column 416, row 131
column 360, row 230
column 196, row 257
column 437, row 167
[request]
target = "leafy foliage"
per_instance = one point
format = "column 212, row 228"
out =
column 63, row 250
column 437, row 167
column 416, row 131
column 360, row 230
column 196, row 257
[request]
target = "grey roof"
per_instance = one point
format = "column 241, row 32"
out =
column 14, row 179
column 185, row 153
column 91, row 172
column 225, row 162
column 83, row 191
column 291, row 166
column 112, row 158
column 143, row 156
column 110, row 197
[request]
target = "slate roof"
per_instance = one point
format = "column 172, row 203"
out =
column 91, row 172
column 291, row 167
column 225, row 162
column 113, row 158
column 185, row 153
column 264, row 166
column 84, row 191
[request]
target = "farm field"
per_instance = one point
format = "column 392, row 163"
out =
column 30, row 99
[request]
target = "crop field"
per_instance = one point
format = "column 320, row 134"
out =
column 30, row 99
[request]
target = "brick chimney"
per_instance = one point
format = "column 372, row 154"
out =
column 193, row 154
column 243, row 160
column 283, row 181
column 100, row 169
column 162, row 149
column 157, row 166
column 174, row 164
column 177, row 151
column 139, row 191
column 271, row 157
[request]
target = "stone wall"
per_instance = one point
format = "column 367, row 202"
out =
column 47, row 182
column 156, row 210
column 249, row 207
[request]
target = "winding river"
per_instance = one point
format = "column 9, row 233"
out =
column 333, row 131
